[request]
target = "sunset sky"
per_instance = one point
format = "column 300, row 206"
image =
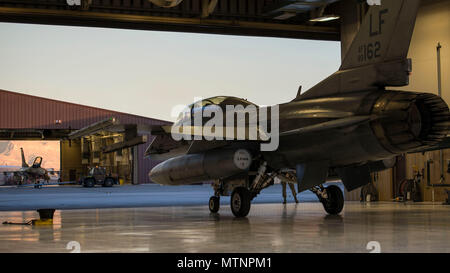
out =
column 148, row 73
column 48, row 150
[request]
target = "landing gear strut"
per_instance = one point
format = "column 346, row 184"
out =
column 242, row 189
column 331, row 198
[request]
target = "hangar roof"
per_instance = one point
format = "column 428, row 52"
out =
column 21, row 111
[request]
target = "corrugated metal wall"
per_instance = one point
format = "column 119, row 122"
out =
column 20, row 111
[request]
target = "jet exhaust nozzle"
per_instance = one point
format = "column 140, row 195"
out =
column 410, row 121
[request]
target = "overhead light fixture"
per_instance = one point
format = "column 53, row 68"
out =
column 325, row 18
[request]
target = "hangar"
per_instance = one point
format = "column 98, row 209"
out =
column 25, row 117
column 337, row 20
column 283, row 19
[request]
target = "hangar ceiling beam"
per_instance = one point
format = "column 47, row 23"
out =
column 91, row 129
column 125, row 144
column 244, row 17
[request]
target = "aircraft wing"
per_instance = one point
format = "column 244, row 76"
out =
column 198, row 146
column 196, row 140
column 9, row 169
column 12, row 172
column 164, row 147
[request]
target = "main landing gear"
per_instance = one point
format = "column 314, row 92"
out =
column 240, row 202
column 244, row 188
column 331, row 198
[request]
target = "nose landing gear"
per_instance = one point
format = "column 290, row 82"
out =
column 331, row 198
column 214, row 204
column 240, row 202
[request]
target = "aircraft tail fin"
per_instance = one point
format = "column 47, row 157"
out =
column 24, row 163
column 377, row 57
column 385, row 34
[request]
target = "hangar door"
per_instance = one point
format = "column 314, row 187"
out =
column 11, row 159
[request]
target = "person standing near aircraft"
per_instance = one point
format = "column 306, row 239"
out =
column 294, row 192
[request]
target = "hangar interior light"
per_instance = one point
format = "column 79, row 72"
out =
column 325, row 18
column 286, row 9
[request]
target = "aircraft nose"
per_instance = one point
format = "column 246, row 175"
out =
column 156, row 174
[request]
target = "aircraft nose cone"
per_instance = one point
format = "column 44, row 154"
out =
column 157, row 174
column 152, row 174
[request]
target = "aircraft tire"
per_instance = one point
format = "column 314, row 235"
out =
column 214, row 204
column 240, row 202
column 335, row 202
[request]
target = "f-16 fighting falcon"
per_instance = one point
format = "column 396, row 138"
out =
column 349, row 125
column 33, row 172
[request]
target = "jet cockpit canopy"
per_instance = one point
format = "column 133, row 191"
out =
column 37, row 162
column 211, row 104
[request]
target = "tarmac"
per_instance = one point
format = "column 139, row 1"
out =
column 270, row 227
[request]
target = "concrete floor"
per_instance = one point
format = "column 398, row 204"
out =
column 146, row 195
column 269, row 228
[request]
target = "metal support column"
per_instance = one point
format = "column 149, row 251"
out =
column 439, row 75
column 135, row 179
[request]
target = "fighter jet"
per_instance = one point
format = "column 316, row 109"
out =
column 34, row 172
column 348, row 125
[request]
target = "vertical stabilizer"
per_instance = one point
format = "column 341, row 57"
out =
column 24, row 163
column 377, row 57
column 385, row 34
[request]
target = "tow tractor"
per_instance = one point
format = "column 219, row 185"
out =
column 98, row 176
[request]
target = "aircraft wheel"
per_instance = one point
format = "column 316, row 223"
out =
column 240, row 202
column 89, row 183
column 334, row 203
column 214, row 204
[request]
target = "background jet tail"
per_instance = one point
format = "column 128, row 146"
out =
column 377, row 56
column 24, row 163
